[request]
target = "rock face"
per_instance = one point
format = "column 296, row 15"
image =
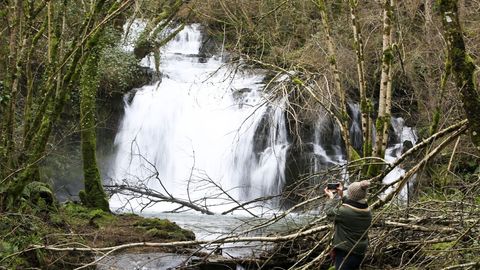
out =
column 314, row 145
column 300, row 161
column 262, row 134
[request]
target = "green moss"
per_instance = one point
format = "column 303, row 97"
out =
column 442, row 246
column 373, row 170
column 379, row 124
column 18, row 232
column 94, row 195
column 74, row 209
column 440, row 176
column 79, row 214
column 353, row 154
column 462, row 67
column 163, row 234
column 119, row 72
column 364, row 105
column 163, row 228
column 150, row 228
column 388, row 55
column 297, row 81
column 128, row 215
column 162, row 224
column 332, row 60
column 435, row 122
column 14, row 262
column 56, row 219
column 69, row 224
column 38, row 197
column 154, row 232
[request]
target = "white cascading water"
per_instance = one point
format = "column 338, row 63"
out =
column 403, row 138
column 335, row 156
column 193, row 134
column 404, row 135
column 197, row 125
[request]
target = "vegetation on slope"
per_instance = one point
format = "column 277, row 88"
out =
column 72, row 224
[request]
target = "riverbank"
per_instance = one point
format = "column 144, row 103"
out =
column 73, row 225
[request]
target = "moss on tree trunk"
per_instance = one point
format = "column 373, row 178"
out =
column 93, row 196
column 462, row 66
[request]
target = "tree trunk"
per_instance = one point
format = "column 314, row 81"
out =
column 388, row 97
column 30, row 79
column 383, row 119
column 53, row 106
column 336, row 78
column 12, row 84
column 362, row 83
column 93, row 196
column 462, row 66
column 384, row 99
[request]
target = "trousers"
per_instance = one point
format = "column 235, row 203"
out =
column 352, row 262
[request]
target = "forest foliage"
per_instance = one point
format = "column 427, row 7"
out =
column 52, row 52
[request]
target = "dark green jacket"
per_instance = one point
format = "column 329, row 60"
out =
column 351, row 225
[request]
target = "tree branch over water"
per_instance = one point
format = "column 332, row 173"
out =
column 120, row 189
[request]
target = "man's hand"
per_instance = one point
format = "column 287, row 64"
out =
column 331, row 193
column 340, row 190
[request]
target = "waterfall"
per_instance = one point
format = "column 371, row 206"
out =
column 403, row 138
column 328, row 146
column 206, row 129
column 327, row 143
column 192, row 134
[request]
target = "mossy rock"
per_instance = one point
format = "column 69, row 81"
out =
column 162, row 224
column 163, row 228
column 38, row 197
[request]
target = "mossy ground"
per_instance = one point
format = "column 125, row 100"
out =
column 75, row 225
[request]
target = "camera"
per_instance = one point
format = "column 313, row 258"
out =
column 333, row 186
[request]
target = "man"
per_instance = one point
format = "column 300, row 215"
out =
column 352, row 218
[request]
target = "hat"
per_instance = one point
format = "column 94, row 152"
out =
column 357, row 191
